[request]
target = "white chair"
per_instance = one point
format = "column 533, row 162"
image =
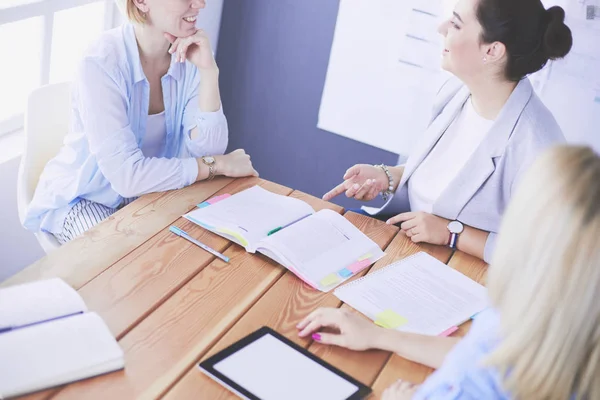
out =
column 46, row 124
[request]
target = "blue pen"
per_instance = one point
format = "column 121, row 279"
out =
column 184, row 234
column 10, row 328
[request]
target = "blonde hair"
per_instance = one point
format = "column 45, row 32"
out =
column 544, row 280
column 129, row 9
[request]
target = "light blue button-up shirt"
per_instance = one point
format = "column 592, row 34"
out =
column 462, row 376
column 101, row 159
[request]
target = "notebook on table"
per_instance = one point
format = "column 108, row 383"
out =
column 322, row 248
column 47, row 338
column 418, row 294
column 265, row 365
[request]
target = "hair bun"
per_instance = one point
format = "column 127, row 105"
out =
column 556, row 14
column 557, row 38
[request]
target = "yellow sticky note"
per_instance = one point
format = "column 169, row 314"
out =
column 329, row 280
column 365, row 257
column 390, row 319
column 236, row 235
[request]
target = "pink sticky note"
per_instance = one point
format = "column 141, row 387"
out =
column 359, row 266
column 218, row 198
column 449, row 331
column 301, row 278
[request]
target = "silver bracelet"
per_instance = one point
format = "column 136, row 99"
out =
column 386, row 193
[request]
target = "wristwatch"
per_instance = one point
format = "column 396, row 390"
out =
column 455, row 228
column 210, row 162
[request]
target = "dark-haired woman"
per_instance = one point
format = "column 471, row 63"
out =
column 487, row 127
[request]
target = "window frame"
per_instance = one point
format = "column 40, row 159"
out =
column 46, row 9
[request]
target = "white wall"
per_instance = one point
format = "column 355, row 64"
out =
column 18, row 247
column 210, row 20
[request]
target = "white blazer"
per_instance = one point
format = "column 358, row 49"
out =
column 482, row 189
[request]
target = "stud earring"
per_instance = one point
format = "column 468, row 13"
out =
column 484, row 59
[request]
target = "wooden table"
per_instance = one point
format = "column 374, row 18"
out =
column 171, row 304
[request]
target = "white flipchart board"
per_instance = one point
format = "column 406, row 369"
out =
column 384, row 71
column 570, row 88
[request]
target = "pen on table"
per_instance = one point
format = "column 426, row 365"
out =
column 6, row 329
column 184, row 234
column 272, row 231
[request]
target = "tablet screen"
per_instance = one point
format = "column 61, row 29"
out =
column 272, row 370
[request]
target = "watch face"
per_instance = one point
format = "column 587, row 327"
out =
column 455, row 227
column 209, row 160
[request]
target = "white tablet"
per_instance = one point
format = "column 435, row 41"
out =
column 265, row 365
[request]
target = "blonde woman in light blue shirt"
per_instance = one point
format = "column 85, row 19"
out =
column 540, row 338
column 146, row 117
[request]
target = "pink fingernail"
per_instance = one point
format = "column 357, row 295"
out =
column 316, row 337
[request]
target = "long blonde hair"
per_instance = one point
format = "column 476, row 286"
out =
column 130, row 10
column 544, row 280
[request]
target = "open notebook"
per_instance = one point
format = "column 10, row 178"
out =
column 323, row 248
column 48, row 339
column 418, row 294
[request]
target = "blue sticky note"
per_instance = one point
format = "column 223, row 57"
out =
column 202, row 205
column 345, row 273
column 210, row 228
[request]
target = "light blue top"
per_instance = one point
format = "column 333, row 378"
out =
column 462, row 376
column 101, row 159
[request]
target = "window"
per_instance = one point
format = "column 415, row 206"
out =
column 41, row 42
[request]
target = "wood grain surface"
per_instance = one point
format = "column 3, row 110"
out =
column 171, row 304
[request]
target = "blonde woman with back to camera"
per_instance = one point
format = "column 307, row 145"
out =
column 146, row 117
column 540, row 339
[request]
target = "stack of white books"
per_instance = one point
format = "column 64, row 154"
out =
column 47, row 338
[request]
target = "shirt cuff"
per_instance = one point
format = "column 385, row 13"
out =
column 190, row 171
column 490, row 245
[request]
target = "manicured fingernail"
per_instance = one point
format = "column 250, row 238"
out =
column 316, row 337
